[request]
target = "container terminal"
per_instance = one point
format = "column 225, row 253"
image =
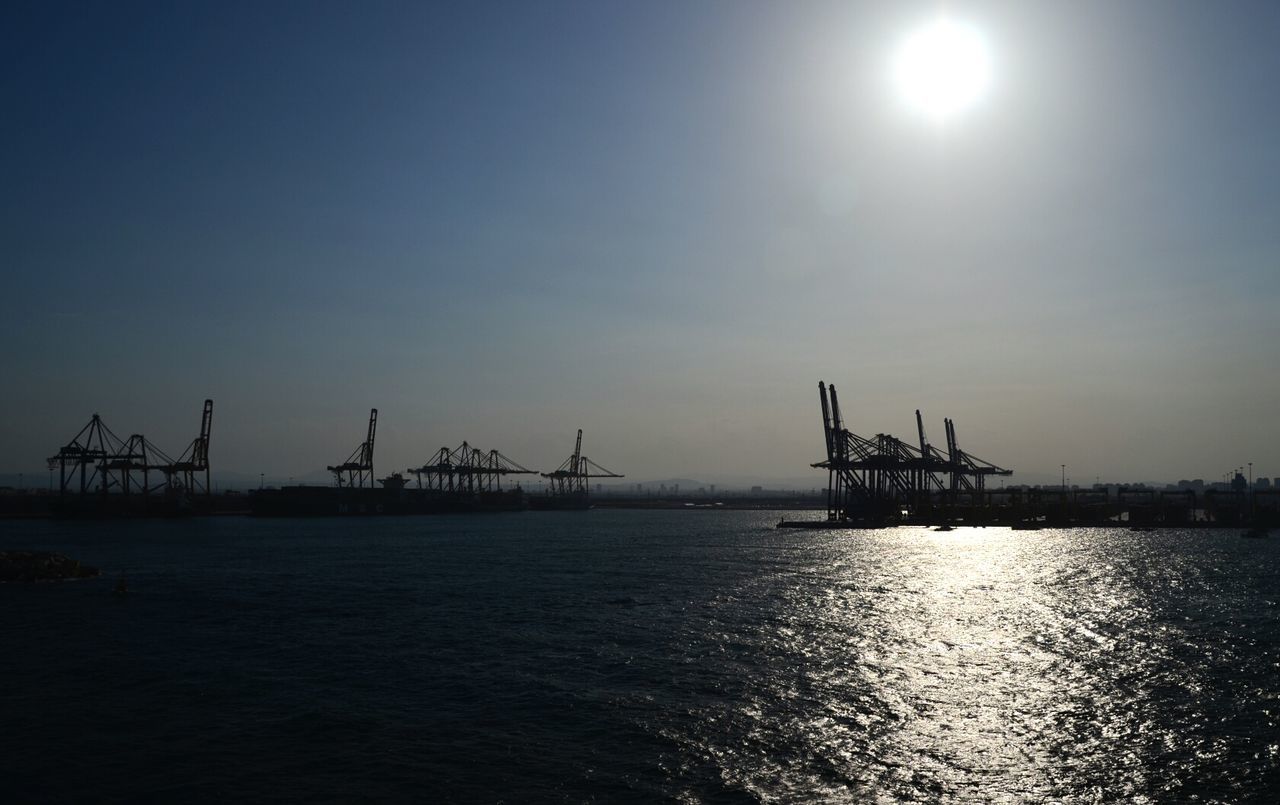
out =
column 871, row 481
column 885, row 480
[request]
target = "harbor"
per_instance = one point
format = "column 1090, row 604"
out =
column 875, row 481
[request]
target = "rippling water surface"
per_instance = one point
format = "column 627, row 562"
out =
column 640, row 656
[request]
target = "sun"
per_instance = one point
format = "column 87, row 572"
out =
column 942, row 68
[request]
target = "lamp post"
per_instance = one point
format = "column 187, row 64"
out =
column 1064, row 477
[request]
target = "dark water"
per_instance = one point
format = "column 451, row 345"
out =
column 631, row 656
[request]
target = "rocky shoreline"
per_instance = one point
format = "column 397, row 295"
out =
column 32, row 566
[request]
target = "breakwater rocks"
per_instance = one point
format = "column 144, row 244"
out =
column 42, row 566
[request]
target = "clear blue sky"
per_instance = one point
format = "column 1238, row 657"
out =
column 660, row 222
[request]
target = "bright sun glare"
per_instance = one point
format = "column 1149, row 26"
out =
column 942, row 68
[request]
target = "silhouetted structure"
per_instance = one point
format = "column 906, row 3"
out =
column 100, row 474
column 195, row 459
column 462, row 479
column 569, row 483
column 466, row 470
column 357, row 470
column 880, row 478
column 85, row 454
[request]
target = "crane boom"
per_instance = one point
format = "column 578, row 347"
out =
column 826, row 418
column 571, row 477
column 206, row 427
column 357, row 470
column 373, row 428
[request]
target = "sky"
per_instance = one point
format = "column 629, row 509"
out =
column 660, row 222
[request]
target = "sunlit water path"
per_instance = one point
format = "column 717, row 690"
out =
column 640, row 656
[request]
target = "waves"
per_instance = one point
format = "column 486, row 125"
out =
column 643, row 656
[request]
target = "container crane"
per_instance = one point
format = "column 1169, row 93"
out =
column 571, row 478
column 357, row 470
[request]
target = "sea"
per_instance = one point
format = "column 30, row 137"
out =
column 639, row 656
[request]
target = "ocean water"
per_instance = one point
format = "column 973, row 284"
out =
column 616, row 656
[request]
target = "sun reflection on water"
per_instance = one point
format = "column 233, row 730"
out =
column 977, row 664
